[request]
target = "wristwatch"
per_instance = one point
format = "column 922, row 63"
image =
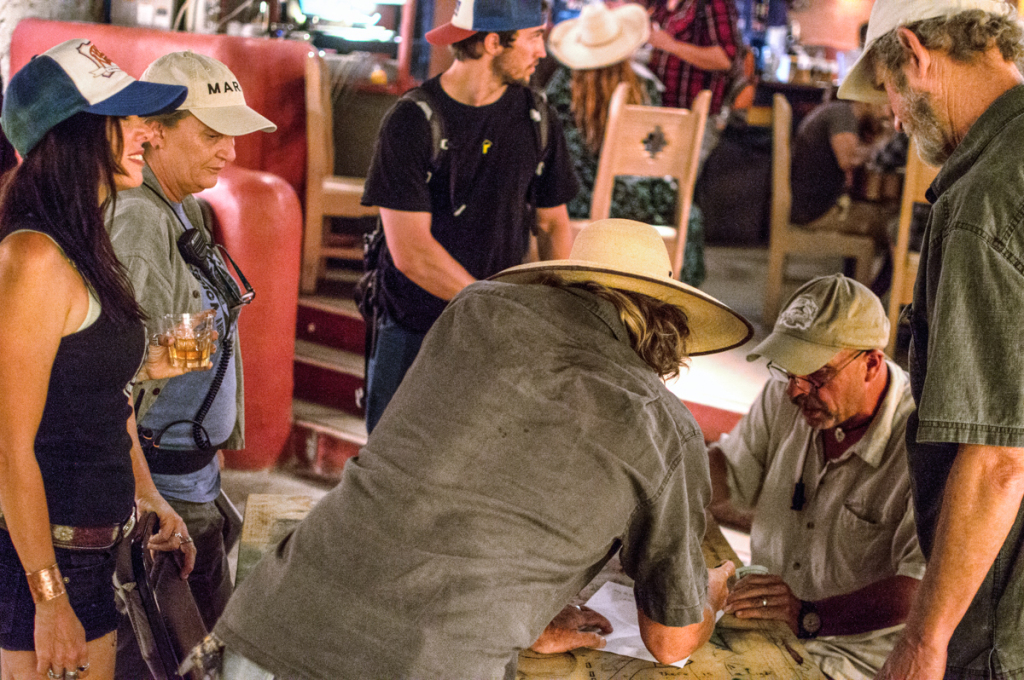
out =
column 808, row 621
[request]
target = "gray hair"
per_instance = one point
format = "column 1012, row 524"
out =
column 963, row 36
column 170, row 120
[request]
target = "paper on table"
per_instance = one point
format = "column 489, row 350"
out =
column 616, row 603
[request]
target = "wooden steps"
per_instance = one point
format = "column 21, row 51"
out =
column 328, row 421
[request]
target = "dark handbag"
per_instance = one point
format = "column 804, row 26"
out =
column 158, row 603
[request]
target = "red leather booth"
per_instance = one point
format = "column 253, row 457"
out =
column 258, row 216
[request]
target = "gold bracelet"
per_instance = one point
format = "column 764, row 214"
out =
column 46, row 584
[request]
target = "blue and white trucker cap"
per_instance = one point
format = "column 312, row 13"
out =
column 71, row 78
column 488, row 16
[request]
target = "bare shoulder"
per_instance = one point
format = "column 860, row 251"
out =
column 34, row 268
column 32, row 253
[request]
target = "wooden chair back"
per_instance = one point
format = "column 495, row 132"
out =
column 326, row 193
column 918, row 178
column 652, row 141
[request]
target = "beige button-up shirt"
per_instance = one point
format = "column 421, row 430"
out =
column 857, row 524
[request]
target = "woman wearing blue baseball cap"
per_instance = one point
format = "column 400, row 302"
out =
column 71, row 473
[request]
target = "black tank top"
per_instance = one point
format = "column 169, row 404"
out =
column 82, row 444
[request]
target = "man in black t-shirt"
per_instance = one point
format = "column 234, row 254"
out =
column 470, row 214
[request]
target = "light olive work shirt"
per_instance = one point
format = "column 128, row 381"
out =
column 857, row 525
column 527, row 444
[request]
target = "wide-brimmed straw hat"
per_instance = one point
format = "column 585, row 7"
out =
column 631, row 256
column 599, row 36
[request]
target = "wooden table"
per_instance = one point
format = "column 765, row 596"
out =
column 737, row 649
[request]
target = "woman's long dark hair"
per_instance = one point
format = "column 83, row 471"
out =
column 56, row 190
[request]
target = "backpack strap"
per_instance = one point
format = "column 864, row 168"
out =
column 438, row 141
column 539, row 116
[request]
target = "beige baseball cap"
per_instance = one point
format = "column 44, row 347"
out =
column 214, row 94
column 887, row 15
column 825, row 316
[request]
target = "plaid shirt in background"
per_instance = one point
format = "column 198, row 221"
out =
column 682, row 80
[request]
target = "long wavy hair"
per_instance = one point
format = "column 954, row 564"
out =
column 657, row 330
column 57, row 190
column 592, row 91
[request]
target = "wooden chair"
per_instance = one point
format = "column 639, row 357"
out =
column 327, row 194
column 904, row 262
column 789, row 239
column 652, row 141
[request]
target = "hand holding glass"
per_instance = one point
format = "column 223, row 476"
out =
column 188, row 338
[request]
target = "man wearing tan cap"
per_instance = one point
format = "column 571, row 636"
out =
column 949, row 70
column 817, row 472
column 184, row 421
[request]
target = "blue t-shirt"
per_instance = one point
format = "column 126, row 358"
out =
column 181, row 398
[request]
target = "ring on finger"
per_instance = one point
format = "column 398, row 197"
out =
column 54, row 676
column 187, row 539
column 71, row 675
column 83, row 669
column 764, row 602
column 178, row 536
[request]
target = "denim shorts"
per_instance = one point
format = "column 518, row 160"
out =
column 89, row 581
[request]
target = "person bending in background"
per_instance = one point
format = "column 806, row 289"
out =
column 188, row 149
column 533, row 439
column 72, row 337
column 580, row 91
column 817, row 473
column 833, row 140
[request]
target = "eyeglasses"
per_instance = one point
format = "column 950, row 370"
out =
column 809, row 383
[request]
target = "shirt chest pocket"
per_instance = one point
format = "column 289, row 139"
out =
column 861, row 545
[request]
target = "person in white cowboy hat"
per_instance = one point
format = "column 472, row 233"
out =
column 189, row 148
column 595, row 53
column 821, row 454
column 949, row 69
column 532, row 440
column 71, row 343
column 465, row 168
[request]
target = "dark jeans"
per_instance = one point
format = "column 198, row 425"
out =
column 394, row 353
column 210, row 582
column 88, row 575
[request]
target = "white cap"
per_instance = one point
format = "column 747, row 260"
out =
column 887, row 15
column 214, row 94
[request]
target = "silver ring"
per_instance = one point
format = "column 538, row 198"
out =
column 84, row 667
column 53, row 676
column 179, row 536
column 187, row 540
column 764, row 602
column 71, row 675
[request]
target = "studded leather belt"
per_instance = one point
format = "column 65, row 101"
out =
column 86, row 538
